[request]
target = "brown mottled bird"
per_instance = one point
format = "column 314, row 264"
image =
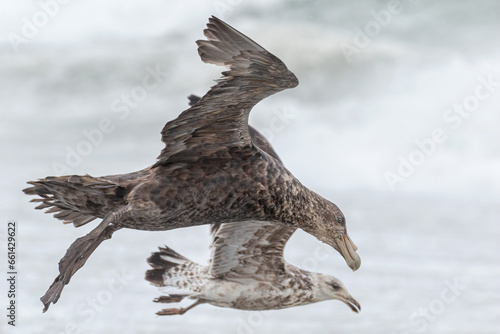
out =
column 210, row 170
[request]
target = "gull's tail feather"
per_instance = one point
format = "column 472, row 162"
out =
column 178, row 278
column 162, row 262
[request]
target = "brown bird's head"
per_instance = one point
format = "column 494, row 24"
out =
column 329, row 226
column 342, row 242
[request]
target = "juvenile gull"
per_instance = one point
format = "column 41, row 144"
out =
column 209, row 171
column 246, row 271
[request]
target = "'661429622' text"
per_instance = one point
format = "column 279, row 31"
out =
column 11, row 272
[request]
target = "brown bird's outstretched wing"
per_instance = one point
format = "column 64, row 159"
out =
column 249, row 249
column 258, row 139
column 220, row 119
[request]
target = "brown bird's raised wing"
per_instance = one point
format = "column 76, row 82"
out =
column 248, row 250
column 220, row 119
column 258, row 139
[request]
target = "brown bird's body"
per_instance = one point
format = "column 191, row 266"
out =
column 210, row 171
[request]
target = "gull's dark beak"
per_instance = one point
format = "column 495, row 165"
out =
column 352, row 303
column 347, row 249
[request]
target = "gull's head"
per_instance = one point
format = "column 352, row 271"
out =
column 330, row 287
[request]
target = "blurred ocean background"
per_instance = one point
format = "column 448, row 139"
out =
column 396, row 120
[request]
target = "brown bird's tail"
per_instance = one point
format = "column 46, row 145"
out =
column 76, row 199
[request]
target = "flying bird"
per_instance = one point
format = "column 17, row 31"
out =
column 210, row 170
column 246, row 271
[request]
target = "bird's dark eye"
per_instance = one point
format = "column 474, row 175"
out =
column 340, row 220
column 335, row 286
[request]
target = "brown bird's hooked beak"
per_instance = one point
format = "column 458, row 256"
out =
column 347, row 248
column 352, row 303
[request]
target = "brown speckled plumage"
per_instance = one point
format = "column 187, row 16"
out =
column 210, row 170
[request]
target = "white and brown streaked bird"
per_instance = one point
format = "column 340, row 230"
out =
column 247, row 271
column 210, row 170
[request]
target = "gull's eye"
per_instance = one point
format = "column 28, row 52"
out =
column 335, row 286
column 340, row 220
